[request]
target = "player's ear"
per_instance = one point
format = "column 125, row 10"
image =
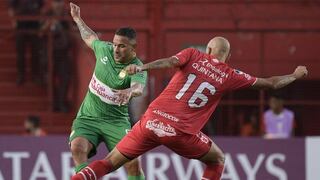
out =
column 209, row 50
column 133, row 43
column 229, row 56
column 134, row 54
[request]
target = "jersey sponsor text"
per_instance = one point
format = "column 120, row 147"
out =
column 165, row 115
column 102, row 91
column 160, row 129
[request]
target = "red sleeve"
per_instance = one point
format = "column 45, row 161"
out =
column 239, row 79
column 184, row 56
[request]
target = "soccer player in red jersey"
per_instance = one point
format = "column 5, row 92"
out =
column 175, row 118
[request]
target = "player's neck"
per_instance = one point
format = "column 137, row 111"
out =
column 277, row 111
column 127, row 60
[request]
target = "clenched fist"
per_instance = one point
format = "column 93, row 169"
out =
column 300, row 72
column 133, row 69
column 75, row 11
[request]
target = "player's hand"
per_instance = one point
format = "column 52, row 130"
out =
column 75, row 11
column 300, row 72
column 133, row 69
column 123, row 95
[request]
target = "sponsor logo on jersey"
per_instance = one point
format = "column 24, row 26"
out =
column 210, row 71
column 203, row 61
column 203, row 138
column 165, row 115
column 104, row 60
column 103, row 91
column 205, row 67
column 160, row 129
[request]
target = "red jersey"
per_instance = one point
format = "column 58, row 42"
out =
column 196, row 89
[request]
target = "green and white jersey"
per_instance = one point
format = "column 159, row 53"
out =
column 99, row 102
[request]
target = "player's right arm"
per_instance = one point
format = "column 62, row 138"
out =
column 276, row 82
column 171, row 62
column 178, row 60
column 87, row 35
column 157, row 64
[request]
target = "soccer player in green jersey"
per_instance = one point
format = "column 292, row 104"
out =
column 103, row 115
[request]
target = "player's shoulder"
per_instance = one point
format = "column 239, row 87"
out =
column 238, row 72
column 107, row 43
column 224, row 69
column 137, row 61
column 102, row 43
column 194, row 50
column 288, row 111
column 189, row 50
column 268, row 112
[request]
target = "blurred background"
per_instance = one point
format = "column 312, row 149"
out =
column 45, row 67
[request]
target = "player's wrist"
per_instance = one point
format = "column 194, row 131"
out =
column 144, row 67
column 295, row 75
column 77, row 19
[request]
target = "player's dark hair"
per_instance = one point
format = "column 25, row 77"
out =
column 35, row 120
column 128, row 32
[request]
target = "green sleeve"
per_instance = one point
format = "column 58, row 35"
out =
column 100, row 47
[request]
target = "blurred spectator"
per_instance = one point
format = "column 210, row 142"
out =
column 249, row 126
column 58, row 25
column 26, row 34
column 32, row 126
column 278, row 122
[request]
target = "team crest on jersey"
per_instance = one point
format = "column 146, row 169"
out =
column 104, row 59
column 160, row 129
column 238, row 71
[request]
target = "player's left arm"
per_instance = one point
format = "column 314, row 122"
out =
column 277, row 82
column 170, row 62
column 179, row 60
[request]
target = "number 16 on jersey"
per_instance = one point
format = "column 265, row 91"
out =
column 198, row 94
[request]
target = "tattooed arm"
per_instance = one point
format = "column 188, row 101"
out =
column 157, row 64
column 162, row 63
column 276, row 82
column 87, row 34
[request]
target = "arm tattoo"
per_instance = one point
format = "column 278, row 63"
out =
column 85, row 31
column 161, row 63
column 284, row 80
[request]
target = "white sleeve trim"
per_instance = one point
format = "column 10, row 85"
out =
column 254, row 81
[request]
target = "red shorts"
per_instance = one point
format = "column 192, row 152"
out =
column 152, row 130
